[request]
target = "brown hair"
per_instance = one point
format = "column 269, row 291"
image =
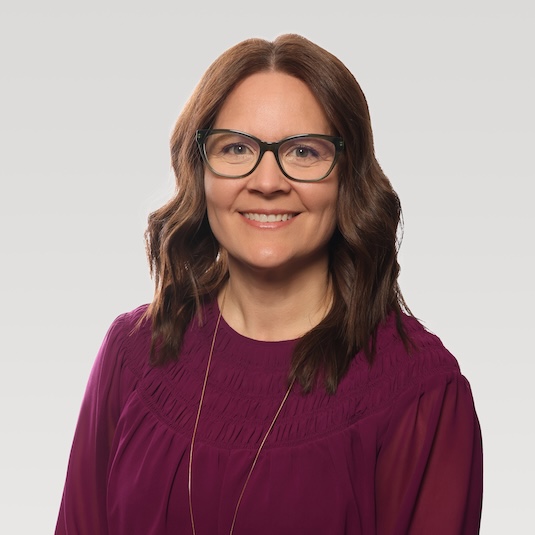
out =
column 187, row 263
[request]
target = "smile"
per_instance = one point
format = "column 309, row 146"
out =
column 267, row 218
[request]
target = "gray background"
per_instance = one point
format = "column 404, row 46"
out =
column 89, row 95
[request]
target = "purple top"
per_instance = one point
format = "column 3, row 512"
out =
column 396, row 451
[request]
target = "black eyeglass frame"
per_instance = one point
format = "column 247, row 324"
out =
column 268, row 146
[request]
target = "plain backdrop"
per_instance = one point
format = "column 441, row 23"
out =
column 89, row 94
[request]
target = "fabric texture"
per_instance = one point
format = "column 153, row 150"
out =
column 396, row 451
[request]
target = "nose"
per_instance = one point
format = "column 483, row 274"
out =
column 268, row 178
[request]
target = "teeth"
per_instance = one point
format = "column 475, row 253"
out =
column 267, row 218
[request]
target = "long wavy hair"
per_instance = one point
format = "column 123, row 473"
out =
column 187, row 264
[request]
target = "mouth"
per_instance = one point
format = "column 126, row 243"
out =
column 267, row 218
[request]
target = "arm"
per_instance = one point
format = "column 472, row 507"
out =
column 83, row 505
column 429, row 468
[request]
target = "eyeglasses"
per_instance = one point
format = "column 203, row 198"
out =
column 303, row 158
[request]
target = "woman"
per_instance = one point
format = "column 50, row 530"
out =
column 276, row 383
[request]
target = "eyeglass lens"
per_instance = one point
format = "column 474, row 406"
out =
column 231, row 154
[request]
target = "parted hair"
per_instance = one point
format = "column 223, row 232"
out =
column 187, row 264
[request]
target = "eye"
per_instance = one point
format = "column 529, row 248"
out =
column 231, row 147
column 303, row 151
column 236, row 149
column 298, row 152
column 308, row 150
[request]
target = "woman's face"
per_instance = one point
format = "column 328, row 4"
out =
column 266, row 221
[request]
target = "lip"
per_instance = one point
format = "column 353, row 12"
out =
column 259, row 218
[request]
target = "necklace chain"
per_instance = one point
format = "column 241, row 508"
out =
column 194, row 435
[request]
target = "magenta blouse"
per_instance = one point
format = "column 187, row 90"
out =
column 396, row 451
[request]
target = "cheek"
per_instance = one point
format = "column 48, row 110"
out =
column 331, row 214
column 329, row 199
column 220, row 197
column 214, row 193
column 208, row 189
column 210, row 193
column 333, row 221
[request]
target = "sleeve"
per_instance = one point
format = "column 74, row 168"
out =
column 83, row 505
column 429, row 474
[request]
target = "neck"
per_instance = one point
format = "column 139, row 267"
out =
column 270, row 308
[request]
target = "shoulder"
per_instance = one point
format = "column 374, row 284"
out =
column 421, row 354
column 128, row 339
column 130, row 321
column 409, row 369
column 399, row 365
column 130, row 324
column 401, row 373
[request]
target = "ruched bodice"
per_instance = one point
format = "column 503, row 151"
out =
column 365, row 460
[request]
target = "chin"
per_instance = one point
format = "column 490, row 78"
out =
column 273, row 263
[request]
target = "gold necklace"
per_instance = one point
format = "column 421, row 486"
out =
column 197, row 423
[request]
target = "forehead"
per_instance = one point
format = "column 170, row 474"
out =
column 273, row 105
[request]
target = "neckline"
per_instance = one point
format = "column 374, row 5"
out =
column 236, row 351
column 225, row 327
